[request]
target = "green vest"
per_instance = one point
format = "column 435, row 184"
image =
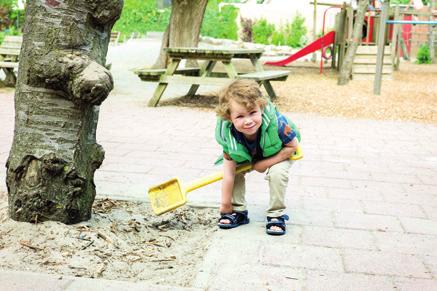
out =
column 270, row 141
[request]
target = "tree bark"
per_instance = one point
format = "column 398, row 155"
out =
column 184, row 27
column 346, row 67
column 61, row 82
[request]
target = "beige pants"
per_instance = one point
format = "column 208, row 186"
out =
column 277, row 175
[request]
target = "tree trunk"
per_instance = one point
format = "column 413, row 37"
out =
column 61, row 83
column 346, row 67
column 183, row 28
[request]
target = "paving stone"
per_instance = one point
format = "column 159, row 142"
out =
column 395, row 178
column 417, row 225
column 431, row 212
column 112, row 285
column 418, row 244
column 317, row 280
column 420, row 188
column 298, row 256
column 256, row 231
column 393, row 209
column 312, row 217
column 384, row 263
column 23, row 281
column 428, row 179
column 252, row 277
column 383, row 187
column 337, row 238
column 332, row 204
column 403, row 284
column 431, row 264
column 413, row 198
column 367, row 221
column 326, row 182
column 355, row 194
column 310, row 191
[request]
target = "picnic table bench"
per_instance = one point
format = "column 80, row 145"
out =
column 9, row 52
column 115, row 37
column 205, row 75
column 155, row 74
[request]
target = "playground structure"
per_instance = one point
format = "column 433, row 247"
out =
column 401, row 30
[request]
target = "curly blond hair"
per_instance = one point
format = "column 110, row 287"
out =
column 244, row 92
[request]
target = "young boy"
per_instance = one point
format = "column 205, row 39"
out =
column 250, row 129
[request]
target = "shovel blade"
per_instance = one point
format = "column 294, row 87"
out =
column 167, row 196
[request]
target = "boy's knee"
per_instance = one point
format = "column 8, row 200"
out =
column 277, row 176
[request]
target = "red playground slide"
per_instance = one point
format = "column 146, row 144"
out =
column 319, row 43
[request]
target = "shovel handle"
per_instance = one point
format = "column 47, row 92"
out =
column 240, row 169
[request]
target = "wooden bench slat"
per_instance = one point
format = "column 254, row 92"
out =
column 11, row 45
column 17, row 38
column 8, row 65
column 178, row 79
column 155, row 74
column 265, row 75
column 162, row 71
column 114, row 37
column 9, row 51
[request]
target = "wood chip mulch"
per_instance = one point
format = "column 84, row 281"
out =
column 410, row 96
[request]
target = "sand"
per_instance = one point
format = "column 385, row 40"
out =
column 123, row 240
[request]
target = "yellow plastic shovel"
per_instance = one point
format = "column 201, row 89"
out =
column 171, row 194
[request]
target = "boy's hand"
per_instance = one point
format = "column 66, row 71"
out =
column 260, row 166
column 284, row 154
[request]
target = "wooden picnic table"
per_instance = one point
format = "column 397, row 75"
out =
column 211, row 56
column 9, row 53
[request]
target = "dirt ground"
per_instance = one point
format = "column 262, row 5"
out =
column 410, row 96
column 123, row 240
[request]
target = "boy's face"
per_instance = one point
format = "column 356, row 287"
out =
column 246, row 121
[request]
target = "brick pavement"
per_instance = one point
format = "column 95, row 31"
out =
column 363, row 201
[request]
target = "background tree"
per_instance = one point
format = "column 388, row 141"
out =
column 346, row 67
column 184, row 27
column 62, row 81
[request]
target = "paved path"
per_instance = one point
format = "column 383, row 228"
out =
column 363, row 201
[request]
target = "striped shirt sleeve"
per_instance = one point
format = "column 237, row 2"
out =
column 286, row 133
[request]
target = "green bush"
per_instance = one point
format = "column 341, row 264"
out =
column 296, row 32
column 220, row 24
column 262, row 31
column 278, row 37
column 423, row 55
column 141, row 16
column 406, row 2
column 17, row 17
column 8, row 4
column 291, row 34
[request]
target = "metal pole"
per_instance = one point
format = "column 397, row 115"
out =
column 313, row 58
column 395, row 42
column 431, row 33
column 381, row 45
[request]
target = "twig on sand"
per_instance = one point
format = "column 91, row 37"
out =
column 169, row 259
column 154, row 243
column 26, row 243
column 104, row 236
column 87, row 245
column 101, row 270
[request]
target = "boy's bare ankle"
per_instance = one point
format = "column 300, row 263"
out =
column 225, row 208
